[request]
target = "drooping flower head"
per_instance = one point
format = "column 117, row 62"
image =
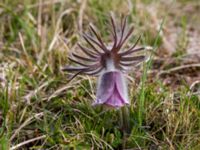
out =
column 110, row 62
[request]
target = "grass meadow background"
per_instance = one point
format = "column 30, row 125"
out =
column 40, row 109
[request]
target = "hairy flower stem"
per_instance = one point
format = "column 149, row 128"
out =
column 124, row 124
column 125, row 120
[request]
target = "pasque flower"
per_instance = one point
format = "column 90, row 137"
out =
column 109, row 62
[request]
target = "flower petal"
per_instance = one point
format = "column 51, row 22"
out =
column 105, row 88
column 122, row 87
column 115, row 100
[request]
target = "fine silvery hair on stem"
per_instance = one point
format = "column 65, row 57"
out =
column 95, row 59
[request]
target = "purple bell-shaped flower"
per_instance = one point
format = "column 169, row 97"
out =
column 112, row 89
column 110, row 63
